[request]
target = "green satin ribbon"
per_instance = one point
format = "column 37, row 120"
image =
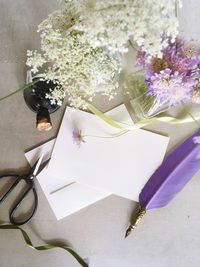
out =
column 105, row 118
column 141, row 123
column 115, row 124
column 44, row 247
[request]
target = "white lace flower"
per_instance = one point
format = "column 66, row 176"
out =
column 112, row 23
column 56, row 95
column 72, row 63
column 35, row 60
column 75, row 42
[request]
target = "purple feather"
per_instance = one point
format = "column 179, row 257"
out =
column 173, row 174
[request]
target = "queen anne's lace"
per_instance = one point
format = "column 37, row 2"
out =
column 112, row 23
column 73, row 42
column 71, row 62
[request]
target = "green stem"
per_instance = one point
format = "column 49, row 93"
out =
column 132, row 45
column 138, row 71
column 19, row 90
column 112, row 136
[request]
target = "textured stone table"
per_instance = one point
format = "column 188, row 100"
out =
column 167, row 237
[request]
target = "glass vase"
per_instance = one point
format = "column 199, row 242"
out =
column 139, row 104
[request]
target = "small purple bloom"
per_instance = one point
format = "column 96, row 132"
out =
column 155, row 66
column 181, row 65
column 140, row 59
column 173, row 79
column 77, row 138
column 190, row 50
column 173, row 48
column 195, row 72
column 170, row 87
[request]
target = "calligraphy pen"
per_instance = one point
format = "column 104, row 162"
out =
column 170, row 178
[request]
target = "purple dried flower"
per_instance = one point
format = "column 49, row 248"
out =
column 173, row 48
column 170, row 87
column 173, row 79
column 77, row 138
column 140, row 59
column 155, row 66
column 171, row 59
column 196, row 94
column 195, row 70
column 181, row 65
column 190, row 50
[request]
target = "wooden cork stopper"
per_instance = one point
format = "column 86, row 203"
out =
column 43, row 120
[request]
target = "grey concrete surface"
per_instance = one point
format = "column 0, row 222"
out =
column 165, row 238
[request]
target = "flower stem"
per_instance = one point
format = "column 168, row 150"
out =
column 19, row 90
column 112, row 136
column 132, row 45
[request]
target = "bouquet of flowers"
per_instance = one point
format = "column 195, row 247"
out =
column 71, row 62
column 82, row 44
column 169, row 81
column 174, row 78
column 82, row 48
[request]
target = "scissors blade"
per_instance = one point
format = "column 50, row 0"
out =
column 42, row 166
column 39, row 166
column 34, row 169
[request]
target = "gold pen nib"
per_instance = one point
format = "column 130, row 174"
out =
column 135, row 222
column 128, row 231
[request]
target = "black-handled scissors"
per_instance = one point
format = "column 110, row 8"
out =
column 30, row 187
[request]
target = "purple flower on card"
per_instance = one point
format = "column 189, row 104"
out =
column 170, row 87
column 77, row 138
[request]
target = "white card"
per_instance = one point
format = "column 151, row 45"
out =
column 63, row 198
column 120, row 165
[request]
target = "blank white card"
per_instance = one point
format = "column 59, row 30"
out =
column 119, row 165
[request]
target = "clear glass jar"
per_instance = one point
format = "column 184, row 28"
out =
column 140, row 105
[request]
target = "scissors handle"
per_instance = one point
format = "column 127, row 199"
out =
column 12, row 217
column 29, row 187
column 3, row 197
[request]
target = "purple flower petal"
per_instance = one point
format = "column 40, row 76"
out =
column 174, row 88
column 77, row 138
